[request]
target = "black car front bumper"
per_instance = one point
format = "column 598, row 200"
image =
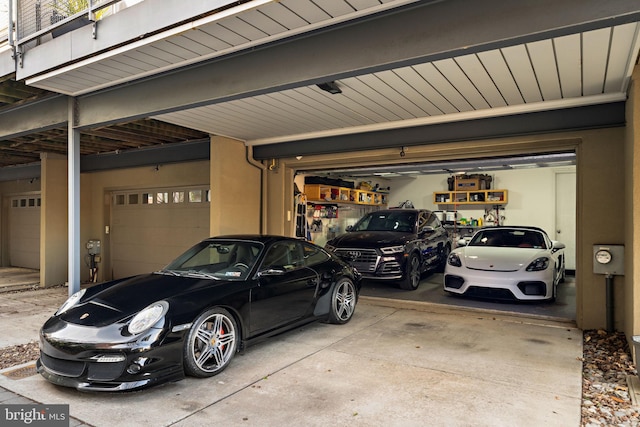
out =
column 99, row 359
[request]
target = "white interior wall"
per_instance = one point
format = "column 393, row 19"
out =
column 531, row 195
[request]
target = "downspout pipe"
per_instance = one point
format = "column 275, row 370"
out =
column 263, row 187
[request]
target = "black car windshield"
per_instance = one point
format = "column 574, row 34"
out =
column 232, row 259
column 387, row 221
column 509, row 238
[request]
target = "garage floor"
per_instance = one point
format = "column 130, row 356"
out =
column 430, row 290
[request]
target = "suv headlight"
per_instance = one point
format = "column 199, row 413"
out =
column 148, row 317
column 454, row 260
column 392, row 250
column 538, row 264
column 330, row 248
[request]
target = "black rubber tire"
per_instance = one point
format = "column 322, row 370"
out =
column 554, row 294
column 343, row 302
column 411, row 278
column 211, row 343
column 443, row 263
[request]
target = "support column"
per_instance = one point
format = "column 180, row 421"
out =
column 632, row 208
column 74, row 199
column 235, row 189
column 279, row 202
column 53, row 219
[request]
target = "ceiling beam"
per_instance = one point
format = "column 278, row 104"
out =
column 419, row 32
column 159, row 155
column 561, row 120
column 28, row 118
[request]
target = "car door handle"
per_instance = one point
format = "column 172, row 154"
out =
column 312, row 282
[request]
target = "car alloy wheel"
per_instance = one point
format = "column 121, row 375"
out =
column 211, row 343
column 412, row 275
column 343, row 302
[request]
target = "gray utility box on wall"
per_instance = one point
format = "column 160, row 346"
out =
column 608, row 259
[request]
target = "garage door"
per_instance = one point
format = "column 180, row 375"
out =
column 151, row 227
column 24, row 231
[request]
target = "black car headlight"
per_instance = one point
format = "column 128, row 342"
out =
column 71, row 301
column 148, row 317
column 330, row 247
column 392, row 250
column 538, row 264
column 454, row 260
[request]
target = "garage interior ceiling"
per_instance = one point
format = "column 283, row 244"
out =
column 587, row 67
column 456, row 167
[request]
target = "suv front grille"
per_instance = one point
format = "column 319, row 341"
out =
column 364, row 260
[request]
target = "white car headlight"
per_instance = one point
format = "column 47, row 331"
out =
column 70, row 302
column 454, row 260
column 392, row 250
column 148, row 317
column 538, row 264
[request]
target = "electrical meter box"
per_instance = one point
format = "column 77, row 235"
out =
column 608, row 259
column 93, row 247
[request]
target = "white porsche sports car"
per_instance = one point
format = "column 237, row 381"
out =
column 506, row 262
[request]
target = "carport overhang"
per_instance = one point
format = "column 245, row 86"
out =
column 413, row 34
column 410, row 35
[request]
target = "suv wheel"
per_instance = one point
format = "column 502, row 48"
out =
column 443, row 262
column 412, row 275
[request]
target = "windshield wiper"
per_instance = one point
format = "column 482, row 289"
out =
column 200, row 274
column 168, row 272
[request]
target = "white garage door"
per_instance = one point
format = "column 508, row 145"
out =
column 151, row 227
column 24, row 231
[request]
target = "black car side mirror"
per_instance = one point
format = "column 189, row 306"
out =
column 427, row 229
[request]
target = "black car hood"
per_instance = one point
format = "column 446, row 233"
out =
column 370, row 239
column 122, row 299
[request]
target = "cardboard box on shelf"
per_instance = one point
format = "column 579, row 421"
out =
column 467, row 184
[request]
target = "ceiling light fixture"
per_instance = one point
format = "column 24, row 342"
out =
column 330, row 87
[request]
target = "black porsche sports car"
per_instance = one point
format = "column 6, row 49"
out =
column 193, row 316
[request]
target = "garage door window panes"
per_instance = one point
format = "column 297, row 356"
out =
column 162, row 197
column 195, row 196
column 178, row 197
column 159, row 197
column 27, row 202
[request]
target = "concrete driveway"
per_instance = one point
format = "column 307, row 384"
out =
column 396, row 363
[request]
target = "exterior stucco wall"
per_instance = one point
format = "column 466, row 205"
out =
column 235, row 189
column 53, row 221
column 632, row 210
column 600, row 220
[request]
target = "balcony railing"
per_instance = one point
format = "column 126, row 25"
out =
column 37, row 18
column 4, row 22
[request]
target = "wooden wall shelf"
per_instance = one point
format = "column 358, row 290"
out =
column 471, row 197
column 319, row 193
